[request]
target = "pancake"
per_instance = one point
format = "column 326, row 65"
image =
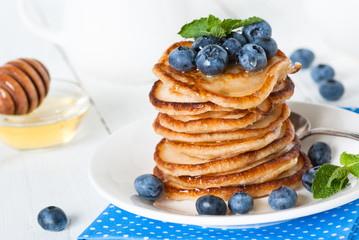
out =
column 235, row 88
column 207, row 124
column 256, row 172
column 167, row 100
column 291, row 178
column 211, row 150
column 176, row 163
column 257, row 129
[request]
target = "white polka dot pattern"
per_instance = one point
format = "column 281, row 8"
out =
column 115, row 223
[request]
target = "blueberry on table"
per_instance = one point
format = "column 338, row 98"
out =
column 252, row 57
column 303, row 56
column 257, row 29
column 308, row 177
column 232, row 46
column 282, row 197
column 239, row 37
column 52, row 219
column 322, row 72
column 240, row 203
column 212, row 59
column 331, row 89
column 149, row 187
column 211, row 205
column 319, row 153
column 182, row 58
column 205, row 40
column 268, row 44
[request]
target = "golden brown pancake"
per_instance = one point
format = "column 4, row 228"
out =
column 212, row 150
column 235, row 88
column 255, row 172
column 176, row 164
column 291, row 178
column 167, row 100
column 257, row 129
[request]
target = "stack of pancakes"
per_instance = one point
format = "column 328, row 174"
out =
column 225, row 133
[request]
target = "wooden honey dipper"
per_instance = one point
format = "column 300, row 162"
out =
column 24, row 83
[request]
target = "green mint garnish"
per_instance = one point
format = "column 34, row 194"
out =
column 214, row 26
column 351, row 161
column 330, row 179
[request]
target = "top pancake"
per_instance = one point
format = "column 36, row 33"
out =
column 234, row 88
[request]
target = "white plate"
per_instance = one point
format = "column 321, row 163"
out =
column 128, row 153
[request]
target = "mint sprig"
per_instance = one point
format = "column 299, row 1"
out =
column 330, row 179
column 214, row 26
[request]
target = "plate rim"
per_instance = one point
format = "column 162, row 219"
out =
column 213, row 221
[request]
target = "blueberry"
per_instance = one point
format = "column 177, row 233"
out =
column 212, row 59
column 252, row 57
column 240, row 203
column 211, row 205
column 239, row 37
column 232, row 46
column 149, row 187
column 319, row 153
column 303, row 56
column 205, row 40
column 258, row 29
column 331, row 89
column 268, row 44
column 282, row 197
column 308, row 177
column 52, row 219
column 182, row 58
column 322, row 72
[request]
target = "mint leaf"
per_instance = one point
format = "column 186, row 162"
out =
column 351, row 161
column 194, row 29
column 328, row 180
column 213, row 26
column 338, row 176
column 217, row 32
column 213, row 22
column 230, row 24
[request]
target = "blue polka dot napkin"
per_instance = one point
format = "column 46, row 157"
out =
column 116, row 223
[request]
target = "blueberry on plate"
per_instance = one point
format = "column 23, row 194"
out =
column 240, row 203
column 211, row 205
column 322, row 72
column 331, row 89
column 205, row 40
column 303, row 56
column 319, row 153
column 212, row 59
column 232, row 46
column 252, row 57
column 282, row 197
column 308, row 177
column 52, row 219
column 239, row 37
column 182, row 58
column 149, row 187
column 268, row 44
column 255, row 30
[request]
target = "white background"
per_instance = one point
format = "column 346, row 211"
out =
column 32, row 180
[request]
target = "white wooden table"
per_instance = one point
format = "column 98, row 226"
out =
column 33, row 180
